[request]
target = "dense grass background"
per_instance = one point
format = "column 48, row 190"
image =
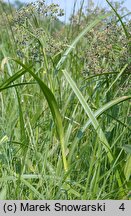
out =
column 65, row 93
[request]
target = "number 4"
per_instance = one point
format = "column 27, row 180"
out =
column 122, row 207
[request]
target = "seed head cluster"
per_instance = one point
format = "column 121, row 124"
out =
column 31, row 24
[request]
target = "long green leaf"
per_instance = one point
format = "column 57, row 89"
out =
column 54, row 110
column 118, row 76
column 33, row 189
column 105, row 107
column 13, row 78
column 93, row 121
column 98, row 113
column 89, row 113
column 51, row 102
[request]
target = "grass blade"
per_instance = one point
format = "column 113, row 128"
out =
column 118, row 76
column 51, row 102
column 98, row 113
column 93, row 121
column 13, row 78
column 105, row 108
column 89, row 113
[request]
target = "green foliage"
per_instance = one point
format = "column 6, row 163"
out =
column 65, row 103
